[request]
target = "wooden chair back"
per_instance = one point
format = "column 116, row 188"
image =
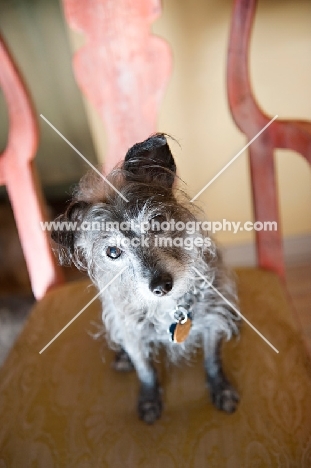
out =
column 249, row 117
column 18, row 174
column 122, row 69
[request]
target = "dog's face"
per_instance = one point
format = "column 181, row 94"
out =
column 150, row 233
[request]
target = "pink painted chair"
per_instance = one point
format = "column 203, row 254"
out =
column 66, row 407
column 247, row 114
column 18, row 174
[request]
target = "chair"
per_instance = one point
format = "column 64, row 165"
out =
column 18, row 174
column 290, row 134
column 66, row 407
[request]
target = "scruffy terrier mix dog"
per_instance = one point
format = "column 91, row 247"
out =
column 163, row 297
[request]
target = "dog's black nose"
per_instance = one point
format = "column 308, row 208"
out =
column 161, row 284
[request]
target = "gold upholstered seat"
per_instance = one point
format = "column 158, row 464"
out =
column 68, row 408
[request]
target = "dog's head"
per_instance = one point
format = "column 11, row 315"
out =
column 137, row 222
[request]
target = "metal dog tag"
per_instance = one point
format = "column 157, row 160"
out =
column 179, row 331
column 182, row 331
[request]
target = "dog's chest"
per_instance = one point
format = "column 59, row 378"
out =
column 152, row 322
column 162, row 324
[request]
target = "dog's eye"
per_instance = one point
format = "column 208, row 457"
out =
column 113, row 252
column 156, row 223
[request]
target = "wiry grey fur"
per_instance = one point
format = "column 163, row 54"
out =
column 136, row 320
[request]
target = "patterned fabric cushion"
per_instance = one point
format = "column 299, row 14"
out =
column 68, row 408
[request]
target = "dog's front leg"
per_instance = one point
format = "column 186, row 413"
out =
column 223, row 395
column 122, row 362
column 149, row 400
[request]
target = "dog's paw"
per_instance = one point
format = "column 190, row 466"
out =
column 224, row 396
column 150, row 404
column 122, row 362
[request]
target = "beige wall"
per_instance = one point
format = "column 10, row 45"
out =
column 195, row 109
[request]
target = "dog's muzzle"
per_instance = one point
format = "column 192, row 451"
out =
column 161, row 284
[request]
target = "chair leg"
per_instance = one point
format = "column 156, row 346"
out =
column 28, row 207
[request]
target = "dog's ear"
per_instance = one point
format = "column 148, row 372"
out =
column 68, row 225
column 150, row 161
